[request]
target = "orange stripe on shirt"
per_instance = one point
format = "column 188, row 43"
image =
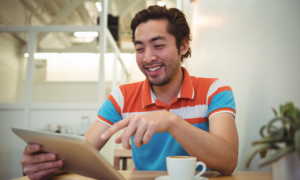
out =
column 133, row 97
column 105, row 120
column 201, row 87
column 116, row 105
column 220, row 89
column 220, row 110
column 197, row 120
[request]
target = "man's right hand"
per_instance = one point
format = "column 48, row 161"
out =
column 37, row 165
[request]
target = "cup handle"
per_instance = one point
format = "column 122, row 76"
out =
column 203, row 169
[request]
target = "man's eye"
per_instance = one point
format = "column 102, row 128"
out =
column 139, row 49
column 159, row 46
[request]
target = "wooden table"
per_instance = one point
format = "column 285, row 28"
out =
column 151, row 175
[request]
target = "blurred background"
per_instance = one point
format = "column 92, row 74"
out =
column 53, row 77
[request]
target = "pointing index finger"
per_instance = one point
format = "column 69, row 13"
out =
column 114, row 128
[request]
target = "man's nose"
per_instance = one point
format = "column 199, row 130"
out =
column 149, row 56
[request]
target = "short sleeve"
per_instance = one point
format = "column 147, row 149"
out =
column 111, row 110
column 220, row 99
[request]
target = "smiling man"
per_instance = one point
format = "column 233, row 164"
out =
column 170, row 113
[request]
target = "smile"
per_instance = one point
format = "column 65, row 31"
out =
column 154, row 68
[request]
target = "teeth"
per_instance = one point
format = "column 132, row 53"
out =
column 154, row 69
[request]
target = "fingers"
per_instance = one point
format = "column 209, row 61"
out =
column 125, row 137
column 38, row 158
column 138, row 137
column 39, row 165
column 118, row 140
column 148, row 135
column 115, row 128
column 142, row 126
column 142, row 135
column 42, row 168
column 31, row 148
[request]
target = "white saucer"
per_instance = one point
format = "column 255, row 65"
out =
column 168, row 178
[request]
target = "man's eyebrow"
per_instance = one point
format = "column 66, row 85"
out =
column 157, row 38
column 138, row 42
column 151, row 40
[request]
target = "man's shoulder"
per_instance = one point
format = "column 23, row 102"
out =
column 203, row 81
column 208, row 85
column 132, row 86
column 125, row 92
column 128, row 89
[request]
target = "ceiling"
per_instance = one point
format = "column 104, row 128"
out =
column 72, row 12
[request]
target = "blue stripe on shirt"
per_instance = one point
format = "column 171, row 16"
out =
column 223, row 99
column 109, row 112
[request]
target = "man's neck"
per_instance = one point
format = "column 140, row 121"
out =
column 168, row 92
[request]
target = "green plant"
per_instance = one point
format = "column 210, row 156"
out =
column 287, row 134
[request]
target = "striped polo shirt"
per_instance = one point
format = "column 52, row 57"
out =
column 198, row 100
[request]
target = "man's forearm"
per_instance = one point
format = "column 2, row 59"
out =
column 94, row 133
column 214, row 151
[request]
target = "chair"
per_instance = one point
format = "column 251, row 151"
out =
column 121, row 154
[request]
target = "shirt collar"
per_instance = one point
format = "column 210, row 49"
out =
column 186, row 90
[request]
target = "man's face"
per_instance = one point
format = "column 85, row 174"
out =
column 156, row 52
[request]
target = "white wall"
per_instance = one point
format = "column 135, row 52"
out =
column 62, row 92
column 9, row 68
column 254, row 46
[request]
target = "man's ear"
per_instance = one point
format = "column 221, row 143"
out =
column 184, row 47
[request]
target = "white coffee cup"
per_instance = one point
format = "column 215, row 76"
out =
column 183, row 167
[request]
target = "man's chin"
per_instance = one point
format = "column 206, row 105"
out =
column 158, row 82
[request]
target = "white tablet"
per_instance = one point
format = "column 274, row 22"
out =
column 78, row 155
